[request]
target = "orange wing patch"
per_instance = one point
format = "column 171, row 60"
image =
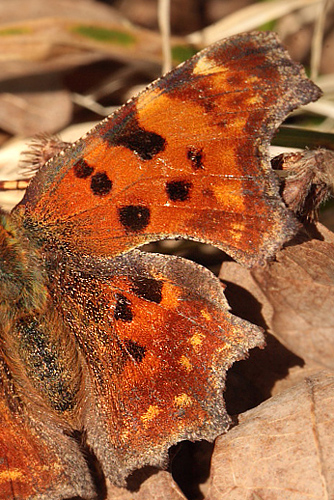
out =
column 187, row 157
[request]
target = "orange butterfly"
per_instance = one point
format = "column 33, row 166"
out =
column 110, row 352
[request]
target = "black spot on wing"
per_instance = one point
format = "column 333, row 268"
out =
column 147, row 288
column 134, row 218
column 146, row 144
column 123, row 310
column 135, row 350
column 100, row 184
column 178, row 190
column 131, row 135
column 82, row 169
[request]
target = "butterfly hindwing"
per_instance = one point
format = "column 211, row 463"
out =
column 157, row 339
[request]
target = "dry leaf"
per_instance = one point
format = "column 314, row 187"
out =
column 299, row 287
column 283, row 449
column 159, row 485
column 267, row 371
column 33, row 105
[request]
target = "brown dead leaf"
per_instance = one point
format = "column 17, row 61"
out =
column 283, row 449
column 244, row 295
column 271, row 370
column 33, row 105
column 299, row 287
column 159, row 485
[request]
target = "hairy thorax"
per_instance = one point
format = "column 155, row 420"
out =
column 22, row 279
column 34, row 340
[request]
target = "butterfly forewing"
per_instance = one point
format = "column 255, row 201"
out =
column 187, row 157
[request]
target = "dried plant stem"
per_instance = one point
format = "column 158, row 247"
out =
column 164, row 25
column 317, row 40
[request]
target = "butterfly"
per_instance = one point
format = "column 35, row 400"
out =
column 112, row 352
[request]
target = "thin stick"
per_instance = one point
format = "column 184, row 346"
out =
column 164, row 25
column 317, row 39
column 16, row 185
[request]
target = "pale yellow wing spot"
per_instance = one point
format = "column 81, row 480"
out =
column 252, row 79
column 255, row 99
column 152, row 412
column 206, row 66
column 206, row 315
column 10, row 475
column 225, row 349
column 185, row 363
column 196, row 340
column 238, row 229
column 183, row 400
